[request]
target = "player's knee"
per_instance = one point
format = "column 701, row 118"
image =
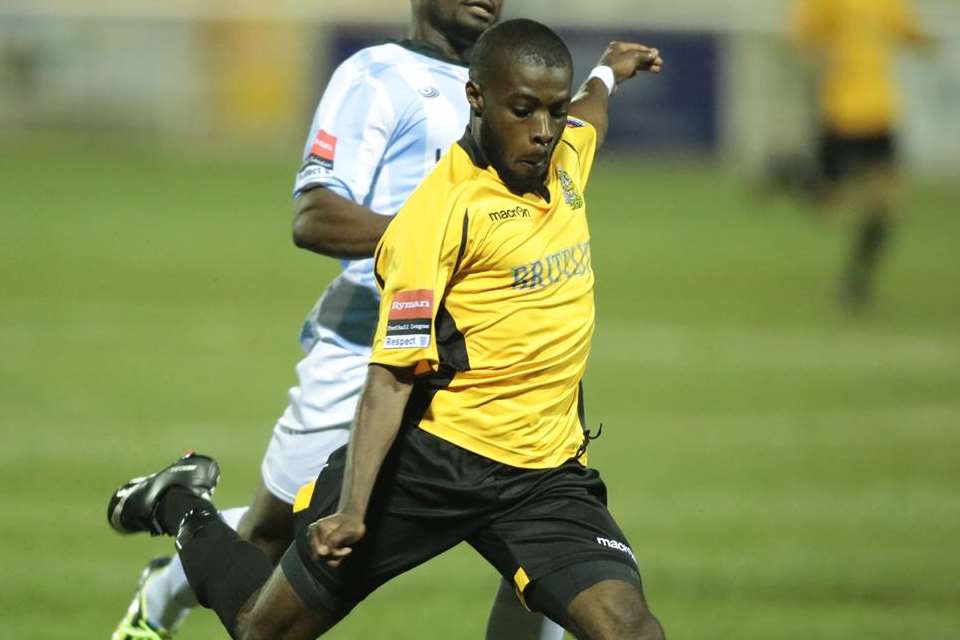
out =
column 266, row 533
column 631, row 620
column 254, row 626
column 248, row 628
column 272, row 545
column 646, row 627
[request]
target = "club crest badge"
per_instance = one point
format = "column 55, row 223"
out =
column 570, row 193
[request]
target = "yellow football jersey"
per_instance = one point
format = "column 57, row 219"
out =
column 857, row 39
column 490, row 296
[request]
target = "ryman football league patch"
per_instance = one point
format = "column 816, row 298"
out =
column 410, row 320
column 324, row 149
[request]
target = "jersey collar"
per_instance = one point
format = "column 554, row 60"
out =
column 429, row 50
column 479, row 158
column 474, row 152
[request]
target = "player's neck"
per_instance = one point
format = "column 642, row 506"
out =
column 481, row 157
column 478, row 154
column 424, row 32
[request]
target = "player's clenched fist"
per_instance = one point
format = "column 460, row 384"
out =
column 628, row 58
column 332, row 537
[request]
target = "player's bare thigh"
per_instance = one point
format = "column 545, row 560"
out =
column 277, row 613
column 268, row 524
column 612, row 610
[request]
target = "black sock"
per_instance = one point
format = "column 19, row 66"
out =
column 175, row 503
column 869, row 243
column 223, row 570
column 872, row 238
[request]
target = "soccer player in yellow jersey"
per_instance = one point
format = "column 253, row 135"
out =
column 855, row 43
column 470, row 427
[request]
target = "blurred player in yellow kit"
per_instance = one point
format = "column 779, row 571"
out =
column 854, row 43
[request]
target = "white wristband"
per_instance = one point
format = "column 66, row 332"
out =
column 604, row 74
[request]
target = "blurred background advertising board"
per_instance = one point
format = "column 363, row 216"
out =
column 205, row 69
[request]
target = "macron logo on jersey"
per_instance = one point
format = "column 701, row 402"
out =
column 324, row 148
column 410, row 320
column 509, row 214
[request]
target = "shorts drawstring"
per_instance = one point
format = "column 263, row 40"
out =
column 588, row 437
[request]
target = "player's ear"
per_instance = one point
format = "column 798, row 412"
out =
column 475, row 98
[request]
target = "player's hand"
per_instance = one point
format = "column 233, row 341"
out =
column 629, row 58
column 332, row 537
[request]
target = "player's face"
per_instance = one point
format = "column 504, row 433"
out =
column 524, row 115
column 463, row 20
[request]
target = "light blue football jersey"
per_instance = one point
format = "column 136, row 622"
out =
column 386, row 117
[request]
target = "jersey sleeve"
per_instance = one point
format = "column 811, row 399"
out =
column 582, row 136
column 414, row 264
column 353, row 125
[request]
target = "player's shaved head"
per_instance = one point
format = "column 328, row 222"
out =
column 521, row 76
column 514, row 42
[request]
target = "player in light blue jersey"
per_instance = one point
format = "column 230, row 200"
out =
column 387, row 115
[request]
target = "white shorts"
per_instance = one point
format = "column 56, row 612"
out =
column 317, row 420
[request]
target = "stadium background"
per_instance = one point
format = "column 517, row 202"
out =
column 782, row 470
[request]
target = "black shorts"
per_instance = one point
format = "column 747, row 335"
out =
column 431, row 495
column 843, row 156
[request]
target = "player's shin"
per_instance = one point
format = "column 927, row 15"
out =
column 169, row 597
column 869, row 243
column 223, row 569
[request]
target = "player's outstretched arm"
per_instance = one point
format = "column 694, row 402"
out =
column 333, row 226
column 625, row 60
column 374, row 429
column 910, row 29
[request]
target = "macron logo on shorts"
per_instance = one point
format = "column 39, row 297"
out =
column 324, row 149
column 619, row 546
column 410, row 320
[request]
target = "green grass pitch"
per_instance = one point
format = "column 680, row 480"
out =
column 782, row 470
